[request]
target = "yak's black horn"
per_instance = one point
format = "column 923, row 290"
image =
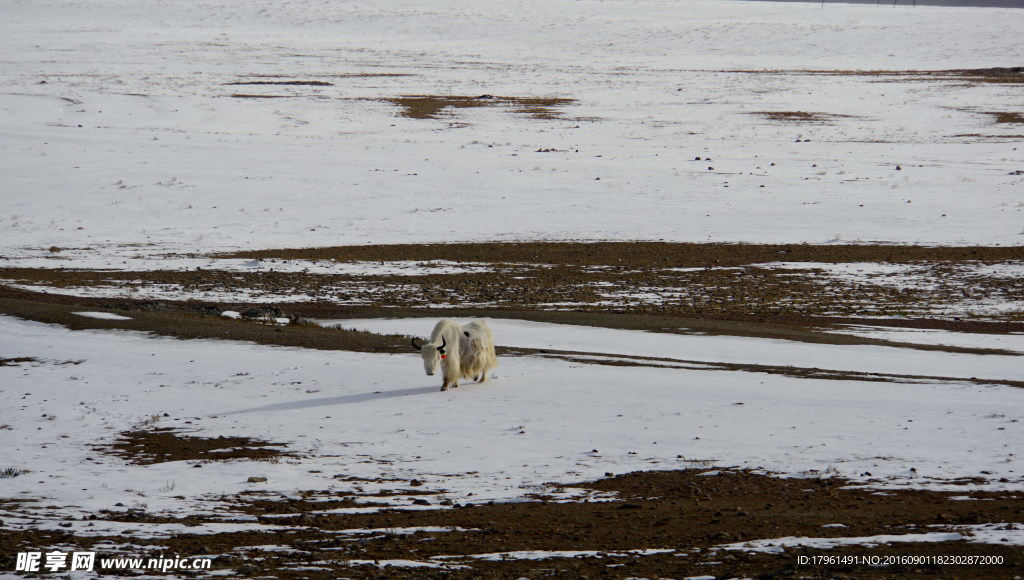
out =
column 414, row 345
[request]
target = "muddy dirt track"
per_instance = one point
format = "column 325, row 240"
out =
column 673, row 524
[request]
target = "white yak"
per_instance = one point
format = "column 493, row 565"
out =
column 460, row 351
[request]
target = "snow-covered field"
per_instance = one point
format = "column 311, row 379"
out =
column 124, row 145
column 539, row 420
column 121, row 132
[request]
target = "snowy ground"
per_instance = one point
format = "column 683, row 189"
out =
column 123, row 145
column 120, row 132
column 379, row 416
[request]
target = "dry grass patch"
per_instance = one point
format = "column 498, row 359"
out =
column 1006, row 117
column 1001, row 75
column 433, row 106
column 246, row 96
column 284, row 83
column 1008, row 75
column 801, row 117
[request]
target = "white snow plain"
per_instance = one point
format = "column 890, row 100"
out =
column 539, row 420
column 121, row 140
column 121, row 135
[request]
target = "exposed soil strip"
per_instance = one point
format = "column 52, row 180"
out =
column 17, row 361
column 1008, row 117
column 915, row 287
column 432, row 106
column 246, row 96
column 999, row 75
column 284, row 83
column 640, row 254
column 195, row 319
column 801, row 116
column 339, row 75
column 931, row 291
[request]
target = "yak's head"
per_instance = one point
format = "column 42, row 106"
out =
column 432, row 354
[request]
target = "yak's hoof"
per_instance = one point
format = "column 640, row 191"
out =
column 444, row 388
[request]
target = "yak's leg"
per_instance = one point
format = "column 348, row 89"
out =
column 451, row 376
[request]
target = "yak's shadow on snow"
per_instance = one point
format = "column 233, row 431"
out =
column 332, row 401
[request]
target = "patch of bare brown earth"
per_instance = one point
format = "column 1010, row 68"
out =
column 162, row 445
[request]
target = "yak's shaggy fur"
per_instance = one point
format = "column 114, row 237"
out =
column 459, row 351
